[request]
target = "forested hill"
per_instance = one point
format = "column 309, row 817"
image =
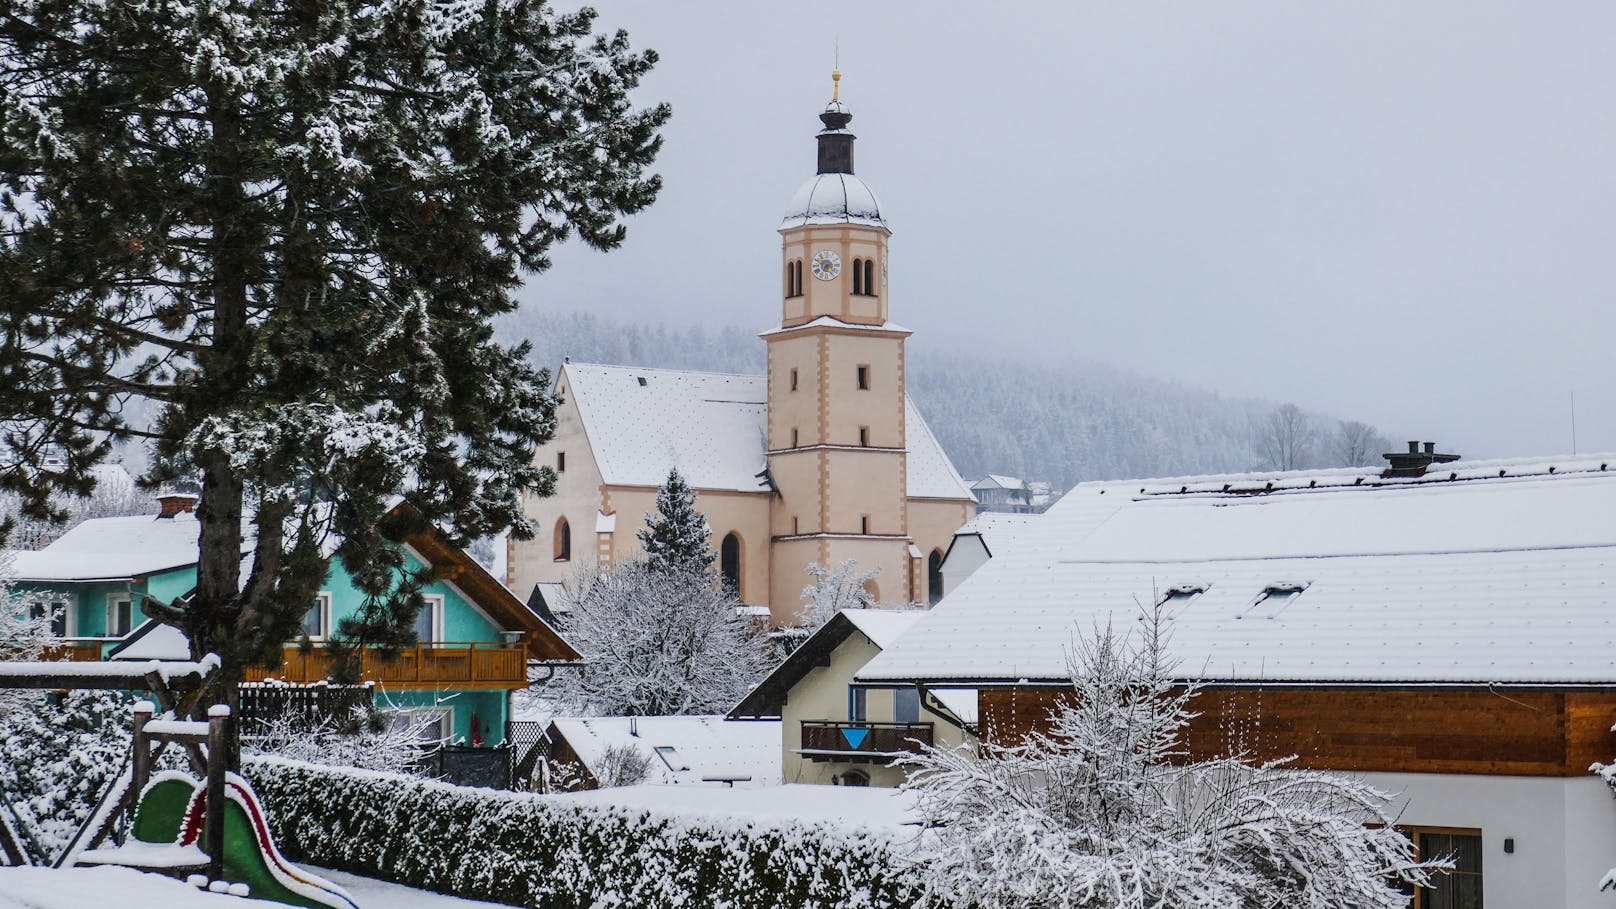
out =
column 1080, row 420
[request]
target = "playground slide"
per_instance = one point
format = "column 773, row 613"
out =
column 172, row 809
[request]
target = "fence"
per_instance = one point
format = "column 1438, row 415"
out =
column 306, row 705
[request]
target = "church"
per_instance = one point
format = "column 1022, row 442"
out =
column 821, row 460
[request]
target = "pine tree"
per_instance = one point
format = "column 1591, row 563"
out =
column 677, row 536
column 289, row 224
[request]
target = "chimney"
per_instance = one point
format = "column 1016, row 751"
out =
column 172, row 503
column 1415, row 462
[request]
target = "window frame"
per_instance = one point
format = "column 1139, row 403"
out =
column 561, row 462
column 434, row 607
column 561, row 540
column 904, row 697
column 858, row 704
column 863, row 377
column 322, row 602
column 115, row 601
column 69, row 602
column 1420, row 899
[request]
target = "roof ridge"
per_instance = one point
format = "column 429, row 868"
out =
column 667, row 369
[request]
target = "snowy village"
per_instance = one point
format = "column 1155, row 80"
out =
column 484, row 454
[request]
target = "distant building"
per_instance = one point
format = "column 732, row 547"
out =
column 675, row 750
column 822, row 459
column 1011, row 495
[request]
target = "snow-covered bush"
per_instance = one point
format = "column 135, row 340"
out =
column 833, row 590
column 367, row 739
column 1106, row 810
column 534, row 850
column 658, row 643
column 57, row 755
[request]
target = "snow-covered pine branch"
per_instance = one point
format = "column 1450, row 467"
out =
column 676, row 536
column 368, row 740
column 1105, row 810
column 657, row 643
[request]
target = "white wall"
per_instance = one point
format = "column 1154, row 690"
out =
column 964, row 558
column 1564, row 831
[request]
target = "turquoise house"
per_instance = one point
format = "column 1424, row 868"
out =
column 477, row 640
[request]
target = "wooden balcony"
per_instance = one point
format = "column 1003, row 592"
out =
column 439, row 665
column 865, row 743
column 74, row 650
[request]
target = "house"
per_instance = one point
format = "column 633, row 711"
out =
column 1445, row 630
column 476, row 639
column 822, row 459
column 835, row 732
column 977, row 541
column 1011, row 495
column 676, row 750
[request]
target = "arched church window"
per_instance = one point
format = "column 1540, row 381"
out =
column 791, row 270
column 729, row 562
column 796, row 279
column 563, row 541
column 858, row 277
column 869, row 277
column 934, row 576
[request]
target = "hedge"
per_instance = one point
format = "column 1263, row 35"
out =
column 535, row 850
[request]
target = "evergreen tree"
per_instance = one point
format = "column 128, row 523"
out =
column 289, row 224
column 677, row 536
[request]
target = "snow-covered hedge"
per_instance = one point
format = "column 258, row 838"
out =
column 533, row 850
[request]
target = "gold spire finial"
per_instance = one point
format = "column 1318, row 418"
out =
column 836, row 73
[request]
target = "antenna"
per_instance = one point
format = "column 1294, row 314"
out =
column 836, row 71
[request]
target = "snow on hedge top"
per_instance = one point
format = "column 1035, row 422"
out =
column 833, row 199
column 1495, row 571
column 789, row 805
column 114, row 548
column 641, row 423
column 683, row 749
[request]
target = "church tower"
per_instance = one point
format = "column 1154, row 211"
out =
column 837, row 448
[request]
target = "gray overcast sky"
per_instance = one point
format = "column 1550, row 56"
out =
column 1400, row 212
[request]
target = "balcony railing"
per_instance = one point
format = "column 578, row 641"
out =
column 73, row 650
column 442, row 664
column 872, row 743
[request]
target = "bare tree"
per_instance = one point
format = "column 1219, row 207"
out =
column 1357, row 444
column 1285, row 439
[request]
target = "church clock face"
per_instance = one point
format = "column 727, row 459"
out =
column 827, row 264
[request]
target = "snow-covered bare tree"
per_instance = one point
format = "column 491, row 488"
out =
column 676, row 536
column 1106, row 810
column 1357, row 444
column 289, row 224
column 1285, row 439
column 114, row 495
column 368, row 739
column 24, row 632
column 658, row 643
column 844, row 587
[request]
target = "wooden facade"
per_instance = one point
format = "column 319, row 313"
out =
column 469, row 665
column 1516, row 732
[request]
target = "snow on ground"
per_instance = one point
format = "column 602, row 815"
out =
column 78, row 888
column 848, row 806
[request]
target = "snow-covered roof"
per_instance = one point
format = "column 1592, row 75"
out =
column 1487, row 571
column 114, row 548
column 833, row 199
column 702, row 746
column 712, row 426
column 999, row 530
column 880, row 626
column 998, row 480
column 154, row 641
column 833, row 322
column 883, row 626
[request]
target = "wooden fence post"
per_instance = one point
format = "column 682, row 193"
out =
column 218, row 761
column 140, row 758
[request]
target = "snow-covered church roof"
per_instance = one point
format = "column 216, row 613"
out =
column 1478, row 572
column 712, row 426
column 833, row 199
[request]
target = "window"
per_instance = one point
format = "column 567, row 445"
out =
column 432, row 725
column 796, row 278
column 429, row 621
column 729, row 562
column 869, row 277
column 858, row 278
column 794, row 530
column 793, row 380
column 864, row 523
column 1274, row 598
column 906, row 705
column 670, row 756
column 563, row 541
column 317, row 621
column 120, row 614
column 790, row 285
column 561, row 462
column 864, row 378
column 793, row 437
column 934, row 576
column 864, row 436
column 1460, row 889
column 1178, row 596
column 857, row 703
column 60, row 612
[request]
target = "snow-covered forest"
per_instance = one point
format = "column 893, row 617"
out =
column 1079, row 420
